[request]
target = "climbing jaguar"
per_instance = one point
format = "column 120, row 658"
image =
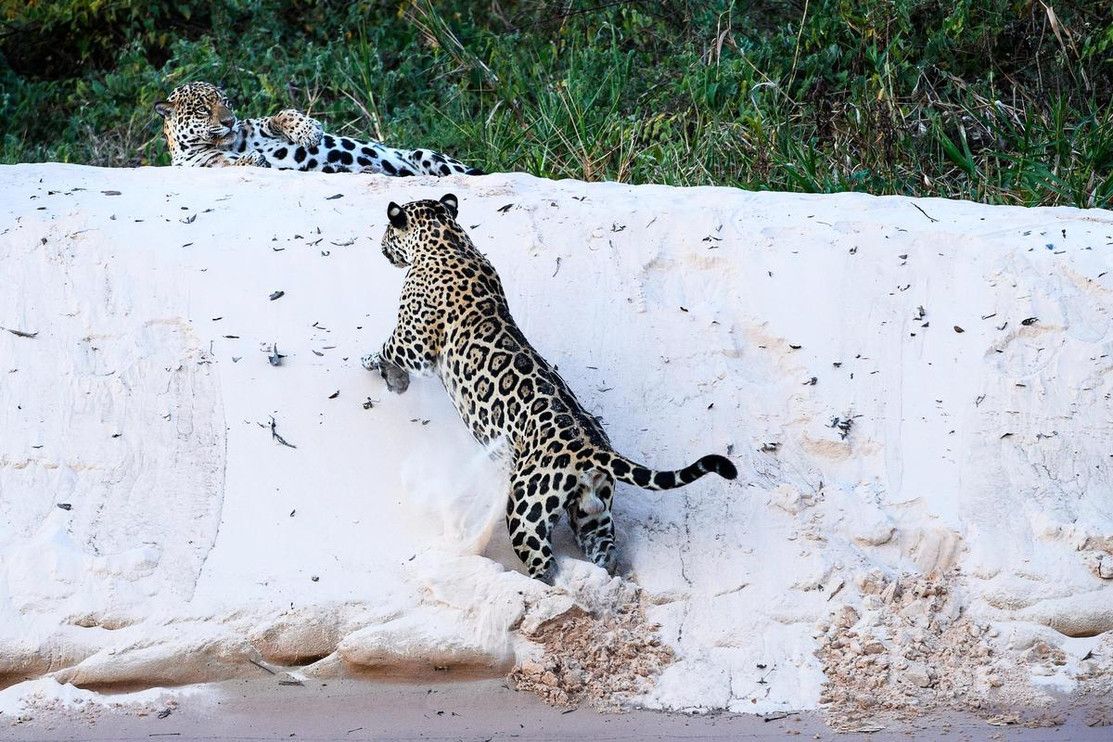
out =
column 454, row 321
column 202, row 131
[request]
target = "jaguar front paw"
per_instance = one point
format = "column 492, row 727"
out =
column 372, row 361
column 397, row 379
column 298, row 128
column 252, row 159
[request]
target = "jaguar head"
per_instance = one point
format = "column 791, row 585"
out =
column 413, row 222
column 197, row 115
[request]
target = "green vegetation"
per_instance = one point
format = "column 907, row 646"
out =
column 1001, row 101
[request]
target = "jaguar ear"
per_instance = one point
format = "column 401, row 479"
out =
column 396, row 215
column 164, row 108
column 450, row 203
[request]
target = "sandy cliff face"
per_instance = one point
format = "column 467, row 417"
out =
column 917, row 394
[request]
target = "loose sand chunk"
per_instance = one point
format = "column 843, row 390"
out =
column 600, row 658
column 911, row 649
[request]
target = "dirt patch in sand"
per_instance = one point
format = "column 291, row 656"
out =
column 601, row 658
column 910, row 648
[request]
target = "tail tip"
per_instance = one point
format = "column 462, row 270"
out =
column 721, row 465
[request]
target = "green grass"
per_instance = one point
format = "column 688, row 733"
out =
column 1000, row 101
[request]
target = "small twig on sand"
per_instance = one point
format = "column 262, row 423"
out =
column 925, row 213
column 20, row 333
column 277, row 437
column 260, row 665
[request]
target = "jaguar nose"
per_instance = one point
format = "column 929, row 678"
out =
column 228, row 121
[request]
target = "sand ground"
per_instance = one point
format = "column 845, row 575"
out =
column 915, row 393
column 486, row 710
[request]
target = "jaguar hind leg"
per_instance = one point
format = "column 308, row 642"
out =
column 531, row 515
column 589, row 514
column 590, row 484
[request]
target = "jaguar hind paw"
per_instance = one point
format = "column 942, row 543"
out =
column 548, row 574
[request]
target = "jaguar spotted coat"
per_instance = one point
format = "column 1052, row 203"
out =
column 454, row 321
column 202, row 131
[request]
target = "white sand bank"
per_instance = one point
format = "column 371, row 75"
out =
column 917, row 394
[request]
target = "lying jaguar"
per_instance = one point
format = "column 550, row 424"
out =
column 202, row 131
column 454, row 321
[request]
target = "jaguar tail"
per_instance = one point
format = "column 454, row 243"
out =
column 630, row 472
